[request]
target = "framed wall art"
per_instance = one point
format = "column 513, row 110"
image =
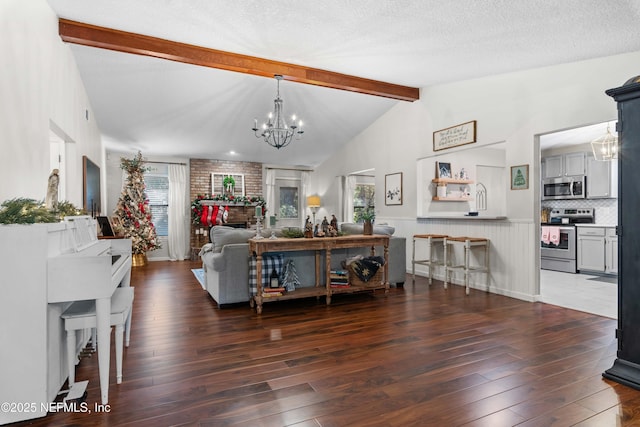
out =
column 520, row 177
column 443, row 170
column 393, row 189
column 454, row 136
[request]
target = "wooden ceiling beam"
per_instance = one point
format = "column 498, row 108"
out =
column 122, row 41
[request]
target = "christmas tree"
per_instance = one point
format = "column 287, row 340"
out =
column 133, row 208
column 290, row 277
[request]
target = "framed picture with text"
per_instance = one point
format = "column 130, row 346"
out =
column 520, row 177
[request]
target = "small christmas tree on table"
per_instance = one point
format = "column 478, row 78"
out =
column 290, row 277
column 134, row 212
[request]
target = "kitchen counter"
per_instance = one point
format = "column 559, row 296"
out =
column 463, row 217
column 597, row 225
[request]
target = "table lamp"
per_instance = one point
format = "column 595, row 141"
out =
column 313, row 202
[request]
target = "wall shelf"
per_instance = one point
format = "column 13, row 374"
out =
column 451, row 181
column 451, row 199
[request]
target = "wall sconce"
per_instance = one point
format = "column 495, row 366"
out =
column 313, row 202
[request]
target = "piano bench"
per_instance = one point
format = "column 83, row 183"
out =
column 82, row 315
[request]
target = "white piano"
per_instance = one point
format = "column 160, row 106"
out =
column 43, row 268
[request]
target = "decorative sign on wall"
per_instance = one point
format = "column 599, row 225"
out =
column 520, row 177
column 454, row 136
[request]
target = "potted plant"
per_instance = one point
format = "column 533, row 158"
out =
column 368, row 216
column 229, row 183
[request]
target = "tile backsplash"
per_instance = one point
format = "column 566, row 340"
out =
column 606, row 209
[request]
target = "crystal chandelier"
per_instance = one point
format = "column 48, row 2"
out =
column 606, row 147
column 275, row 131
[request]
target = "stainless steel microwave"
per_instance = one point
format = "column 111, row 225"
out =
column 566, row 187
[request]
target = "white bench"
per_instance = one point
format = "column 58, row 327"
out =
column 82, row 315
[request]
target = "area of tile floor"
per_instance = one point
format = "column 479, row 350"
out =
column 577, row 292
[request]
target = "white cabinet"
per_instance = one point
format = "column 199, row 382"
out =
column 574, row 164
column 602, row 178
column 553, row 167
column 598, row 249
column 611, row 251
column 591, row 241
column 571, row 164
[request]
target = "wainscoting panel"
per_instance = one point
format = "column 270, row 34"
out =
column 512, row 258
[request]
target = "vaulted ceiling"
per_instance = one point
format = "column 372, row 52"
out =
column 169, row 108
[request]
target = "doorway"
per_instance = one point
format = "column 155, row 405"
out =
column 582, row 290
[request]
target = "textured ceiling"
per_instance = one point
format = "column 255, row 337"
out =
column 167, row 108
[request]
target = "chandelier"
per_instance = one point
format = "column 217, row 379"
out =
column 606, row 147
column 275, row 131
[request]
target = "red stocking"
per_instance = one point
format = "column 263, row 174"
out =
column 205, row 215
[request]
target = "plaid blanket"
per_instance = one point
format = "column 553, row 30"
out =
column 269, row 262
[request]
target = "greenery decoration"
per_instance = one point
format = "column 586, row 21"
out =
column 229, row 183
column 196, row 205
column 133, row 208
column 29, row 211
column 292, row 233
column 368, row 214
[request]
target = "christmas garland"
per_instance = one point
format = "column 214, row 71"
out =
column 30, row 211
column 196, row 205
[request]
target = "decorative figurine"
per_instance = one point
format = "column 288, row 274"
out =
column 334, row 222
column 325, row 225
column 308, row 229
column 51, row 202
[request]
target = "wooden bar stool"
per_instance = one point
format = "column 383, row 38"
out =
column 82, row 315
column 431, row 239
column 468, row 243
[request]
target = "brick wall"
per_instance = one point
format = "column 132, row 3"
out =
column 201, row 170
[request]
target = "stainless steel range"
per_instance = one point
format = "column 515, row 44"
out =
column 558, row 238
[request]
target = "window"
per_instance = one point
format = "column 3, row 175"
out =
column 218, row 187
column 364, row 198
column 157, row 189
column 288, row 202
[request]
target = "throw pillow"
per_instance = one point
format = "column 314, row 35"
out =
column 351, row 228
column 269, row 262
column 366, row 268
column 222, row 235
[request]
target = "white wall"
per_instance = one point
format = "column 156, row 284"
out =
column 514, row 108
column 40, row 89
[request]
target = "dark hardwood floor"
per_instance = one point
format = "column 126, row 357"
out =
column 419, row 356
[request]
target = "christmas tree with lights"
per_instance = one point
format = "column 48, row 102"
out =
column 133, row 208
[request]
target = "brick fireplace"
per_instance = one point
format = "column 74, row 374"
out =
column 200, row 172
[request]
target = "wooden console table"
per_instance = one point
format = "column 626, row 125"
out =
column 327, row 244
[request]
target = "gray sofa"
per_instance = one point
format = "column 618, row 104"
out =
column 226, row 261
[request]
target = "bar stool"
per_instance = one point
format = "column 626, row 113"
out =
column 82, row 315
column 431, row 239
column 468, row 243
